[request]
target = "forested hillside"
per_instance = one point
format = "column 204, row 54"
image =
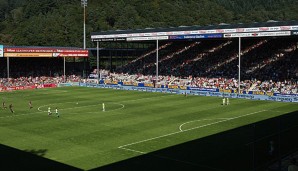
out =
column 60, row 22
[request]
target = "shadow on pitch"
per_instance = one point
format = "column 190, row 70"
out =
column 246, row 148
column 40, row 152
column 12, row 159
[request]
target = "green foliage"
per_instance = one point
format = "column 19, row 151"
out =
column 60, row 23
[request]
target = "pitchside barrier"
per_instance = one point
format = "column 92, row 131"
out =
column 253, row 95
column 37, row 86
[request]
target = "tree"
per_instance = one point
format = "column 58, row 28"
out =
column 60, row 23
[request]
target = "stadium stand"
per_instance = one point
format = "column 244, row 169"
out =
column 266, row 65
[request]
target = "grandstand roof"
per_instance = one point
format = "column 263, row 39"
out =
column 126, row 35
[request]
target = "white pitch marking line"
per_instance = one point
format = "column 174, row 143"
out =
column 122, row 147
column 89, row 105
column 117, row 108
column 65, row 108
column 132, row 150
column 141, row 152
column 180, row 127
column 62, row 103
column 39, row 110
column 122, row 106
column 118, row 103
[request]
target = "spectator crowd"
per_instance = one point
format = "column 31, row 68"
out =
column 266, row 65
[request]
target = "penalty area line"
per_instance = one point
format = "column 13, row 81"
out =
column 180, row 127
column 173, row 133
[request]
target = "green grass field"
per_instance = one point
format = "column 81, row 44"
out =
column 134, row 123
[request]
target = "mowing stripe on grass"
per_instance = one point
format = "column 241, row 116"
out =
column 65, row 108
column 41, row 111
column 213, row 123
column 13, row 115
column 122, row 106
column 146, row 98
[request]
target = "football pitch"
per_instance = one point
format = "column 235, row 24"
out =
column 133, row 124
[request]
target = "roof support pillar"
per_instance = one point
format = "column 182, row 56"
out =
column 239, row 65
column 156, row 62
